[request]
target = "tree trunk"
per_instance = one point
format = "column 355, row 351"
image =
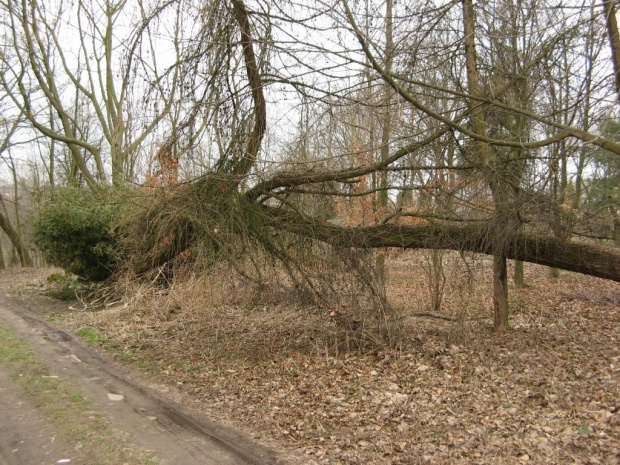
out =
column 2, row 262
column 500, row 298
column 614, row 39
column 616, row 224
column 246, row 163
column 593, row 260
column 500, row 294
column 24, row 257
column 519, row 276
column 387, row 128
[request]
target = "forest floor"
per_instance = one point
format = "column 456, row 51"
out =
column 60, row 402
column 444, row 389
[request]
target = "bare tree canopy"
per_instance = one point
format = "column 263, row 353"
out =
column 486, row 127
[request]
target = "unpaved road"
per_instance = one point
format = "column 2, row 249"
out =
column 154, row 424
column 25, row 436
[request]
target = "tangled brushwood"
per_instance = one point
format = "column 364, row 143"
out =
column 207, row 226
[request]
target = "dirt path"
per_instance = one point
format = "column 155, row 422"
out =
column 25, row 436
column 154, row 424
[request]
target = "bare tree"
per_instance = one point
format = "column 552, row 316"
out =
column 90, row 76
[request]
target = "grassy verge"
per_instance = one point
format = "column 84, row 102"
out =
column 72, row 416
column 91, row 336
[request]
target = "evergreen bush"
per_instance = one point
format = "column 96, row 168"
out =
column 76, row 230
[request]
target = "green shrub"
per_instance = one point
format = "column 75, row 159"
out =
column 76, row 231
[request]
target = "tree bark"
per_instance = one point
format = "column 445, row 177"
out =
column 614, row 39
column 616, row 224
column 500, row 293
column 2, row 262
column 519, row 276
column 24, row 257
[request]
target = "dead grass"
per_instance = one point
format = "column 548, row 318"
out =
column 319, row 384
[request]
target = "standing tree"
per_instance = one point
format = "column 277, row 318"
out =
column 478, row 111
column 93, row 79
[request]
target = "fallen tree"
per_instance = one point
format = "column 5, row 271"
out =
column 183, row 225
column 589, row 259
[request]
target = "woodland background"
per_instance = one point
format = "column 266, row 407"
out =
column 362, row 231
column 298, row 141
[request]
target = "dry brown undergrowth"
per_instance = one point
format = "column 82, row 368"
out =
column 322, row 385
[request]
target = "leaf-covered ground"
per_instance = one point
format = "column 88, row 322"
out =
column 444, row 391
